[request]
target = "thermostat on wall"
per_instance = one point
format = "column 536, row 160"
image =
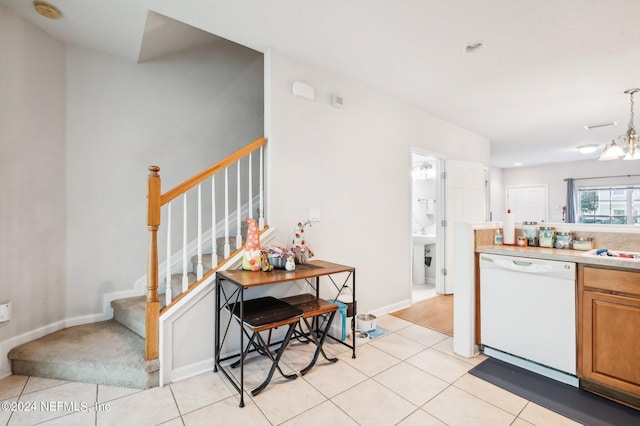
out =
column 303, row 90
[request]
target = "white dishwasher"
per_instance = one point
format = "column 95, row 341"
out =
column 528, row 313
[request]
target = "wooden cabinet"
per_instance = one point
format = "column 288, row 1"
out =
column 609, row 333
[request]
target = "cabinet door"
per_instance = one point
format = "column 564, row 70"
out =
column 611, row 340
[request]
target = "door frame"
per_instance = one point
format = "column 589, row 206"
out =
column 439, row 161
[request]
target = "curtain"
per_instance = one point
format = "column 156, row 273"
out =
column 571, row 201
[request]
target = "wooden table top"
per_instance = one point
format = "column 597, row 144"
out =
column 311, row 269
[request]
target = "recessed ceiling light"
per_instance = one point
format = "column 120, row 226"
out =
column 587, row 149
column 46, row 9
column 517, row 164
column 596, row 126
column 474, row 46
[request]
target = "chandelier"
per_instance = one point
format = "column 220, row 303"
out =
column 630, row 140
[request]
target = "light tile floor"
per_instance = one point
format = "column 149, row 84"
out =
column 409, row 376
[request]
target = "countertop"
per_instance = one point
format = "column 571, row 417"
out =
column 565, row 255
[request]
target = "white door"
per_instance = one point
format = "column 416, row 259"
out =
column 466, row 201
column 528, row 203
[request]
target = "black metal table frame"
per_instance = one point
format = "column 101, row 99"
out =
column 237, row 295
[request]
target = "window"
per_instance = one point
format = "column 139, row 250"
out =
column 609, row 205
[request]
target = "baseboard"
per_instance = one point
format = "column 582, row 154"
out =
column 391, row 308
column 182, row 373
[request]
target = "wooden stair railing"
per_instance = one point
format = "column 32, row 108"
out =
column 154, row 205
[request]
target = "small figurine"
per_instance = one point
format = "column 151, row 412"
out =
column 290, row 265
column 252, row 252
column 298, row 245
column 264, row 261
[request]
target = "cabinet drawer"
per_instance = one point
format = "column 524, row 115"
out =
column 625, row 282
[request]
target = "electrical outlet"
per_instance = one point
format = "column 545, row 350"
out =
column 5, row 312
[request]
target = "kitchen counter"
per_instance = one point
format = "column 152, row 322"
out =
column 566, row 255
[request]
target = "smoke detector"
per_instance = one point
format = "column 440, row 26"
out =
column 46, row 9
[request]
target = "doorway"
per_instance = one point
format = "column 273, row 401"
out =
column 427, row 210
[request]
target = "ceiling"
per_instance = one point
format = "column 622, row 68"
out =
column 548, row 67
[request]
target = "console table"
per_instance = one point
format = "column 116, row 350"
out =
column 311, row 272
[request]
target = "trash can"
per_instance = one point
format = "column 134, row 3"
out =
column 429, row 264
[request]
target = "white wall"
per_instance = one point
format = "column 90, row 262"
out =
column 354, row 165
column 181, row 112
column 32, row 177
column 554, row 175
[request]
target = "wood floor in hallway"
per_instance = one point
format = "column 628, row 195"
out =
column 435, row 313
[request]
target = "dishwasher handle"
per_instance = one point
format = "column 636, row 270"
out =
column 525, row 266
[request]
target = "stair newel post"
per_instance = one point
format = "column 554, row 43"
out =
column 153, row 223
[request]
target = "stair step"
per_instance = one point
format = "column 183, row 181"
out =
column 105, row 353
column 176, row 283
column 207, row 262
column 131, row 313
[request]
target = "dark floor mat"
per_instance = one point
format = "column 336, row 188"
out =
column 571, row 402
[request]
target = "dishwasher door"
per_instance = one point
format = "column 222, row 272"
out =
column 528, row 309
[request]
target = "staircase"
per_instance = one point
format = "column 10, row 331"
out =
column 116, row 352
column 109, row 352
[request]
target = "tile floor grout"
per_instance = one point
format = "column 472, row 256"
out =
column 316, row 398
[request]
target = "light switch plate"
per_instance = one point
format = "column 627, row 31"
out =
column 314, row 215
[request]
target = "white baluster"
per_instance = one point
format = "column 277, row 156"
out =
column 238, row 211
column 227, row 248
column 250, row 187
column 261, row 192
column 214, row 232
column 185, row 254
column 167, row 294
column 199, row 268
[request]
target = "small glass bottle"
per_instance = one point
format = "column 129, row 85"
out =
column 497, row 237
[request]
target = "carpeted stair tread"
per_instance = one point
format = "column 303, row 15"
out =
column 131, row 312
column 104, row 353
column 176, row 284
column 206, row 262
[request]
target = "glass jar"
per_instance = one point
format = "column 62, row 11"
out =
column 583, row 243
column 563, row 240
column 546, row 236
column 530, row 231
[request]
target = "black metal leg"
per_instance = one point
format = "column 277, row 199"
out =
column 355, row 312
column 275, row 360
column 319, row 346
column 241, row 345
column 316, row 331
column 216, row 349
column 246, row 351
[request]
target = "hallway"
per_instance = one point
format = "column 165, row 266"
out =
column 435, row 312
